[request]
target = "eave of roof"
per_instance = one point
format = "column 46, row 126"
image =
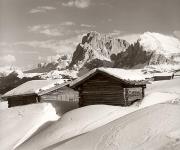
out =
column 29, row 94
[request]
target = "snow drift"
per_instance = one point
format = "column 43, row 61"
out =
column 74, row 123
column 155, row 127
column 19, row 123
column 166, row 86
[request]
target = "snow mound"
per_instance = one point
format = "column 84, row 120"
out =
column 166, row 86
column 158, row 97
column 160, row 43
column 19, row 123
column 161, row 92
column 155, row 127
column 74, row 123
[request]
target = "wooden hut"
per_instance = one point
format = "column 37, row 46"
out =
column 163, row 76
column 36, row 91
column 110, row 86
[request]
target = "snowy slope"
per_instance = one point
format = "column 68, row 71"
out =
column 166, row 86
column 161, row 92
column 85, row 119
column 74, row 123
column 162, row 44
column 153, row 128
column 18, row 123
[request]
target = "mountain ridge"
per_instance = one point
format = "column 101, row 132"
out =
column 105, row 50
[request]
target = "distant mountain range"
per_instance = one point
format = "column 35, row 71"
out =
column 97, row 50
column 104, row 50
column 58, row 62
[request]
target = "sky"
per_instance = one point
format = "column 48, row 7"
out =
column 31, row 30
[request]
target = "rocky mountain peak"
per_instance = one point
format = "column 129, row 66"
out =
column 97, row 46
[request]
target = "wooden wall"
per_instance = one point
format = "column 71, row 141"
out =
column 62, row 94
column 157, row 78
column 101, row 89
column 21, row 100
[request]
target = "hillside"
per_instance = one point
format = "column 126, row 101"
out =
column 74, row 123
column 139, row 130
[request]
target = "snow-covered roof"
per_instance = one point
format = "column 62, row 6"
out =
column 128, row 76
column 163, row 74
column 54, row 88
column 33, row 87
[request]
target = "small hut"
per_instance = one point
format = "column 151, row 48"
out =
column 36, row 91
column 110, row 86
column 163, row 76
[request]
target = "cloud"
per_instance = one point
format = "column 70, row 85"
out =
column 109, row 20
column 117, row 33
column 56, row 30
column 49, row 30
column 7, row 59
column 77, row 3
column 41, row 9
column 67, row 23
column 58, row 46
column 12, row 48
column 87, row 25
